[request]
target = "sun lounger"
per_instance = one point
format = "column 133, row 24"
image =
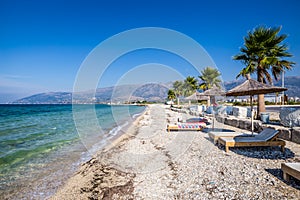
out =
column 290, row 169
column 265, row 138
column 186, row 127
column 216, row 135
column 197, row 120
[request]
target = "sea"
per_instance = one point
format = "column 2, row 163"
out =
column 41, row 146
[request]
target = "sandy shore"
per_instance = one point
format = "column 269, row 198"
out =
column 147, row 162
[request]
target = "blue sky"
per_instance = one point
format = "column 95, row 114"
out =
column 43, row 43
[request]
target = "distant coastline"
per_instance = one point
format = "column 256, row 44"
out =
column 123, row 94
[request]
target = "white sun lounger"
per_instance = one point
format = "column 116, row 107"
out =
column 268, row 137
column 216, row 135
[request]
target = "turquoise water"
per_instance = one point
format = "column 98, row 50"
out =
column 41, row 145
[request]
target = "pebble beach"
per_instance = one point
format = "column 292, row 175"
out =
column 147, row 162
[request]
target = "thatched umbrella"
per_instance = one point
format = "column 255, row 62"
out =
column 214, row 91
column 250, row 88
column 196, row 96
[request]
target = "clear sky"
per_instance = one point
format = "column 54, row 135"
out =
column 43, row 43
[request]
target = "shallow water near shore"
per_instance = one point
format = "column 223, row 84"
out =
column 40, row 146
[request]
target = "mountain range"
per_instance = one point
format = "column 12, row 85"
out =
column 150, row 92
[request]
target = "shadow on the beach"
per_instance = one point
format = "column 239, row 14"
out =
column 209, row 139
column 207, row 130
column 272, row 153
column 279, row 174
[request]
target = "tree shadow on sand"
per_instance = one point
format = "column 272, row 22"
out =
column 279, row 174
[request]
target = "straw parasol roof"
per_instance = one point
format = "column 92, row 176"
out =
column 197, row 96
column 214, row 91
column 250, row 88
column 253, row 87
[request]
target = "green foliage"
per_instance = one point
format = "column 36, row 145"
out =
column 269, row 103
column 178, row 88
column 263, row 52
column 190, row 86
column 236, row 103
column 171, row 95
column 186, row 87
column 209, row 77
column 240, row 104
column 291, row 103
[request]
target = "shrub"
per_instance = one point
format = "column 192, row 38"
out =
column 237, row 103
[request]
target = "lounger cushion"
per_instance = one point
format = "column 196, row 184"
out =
column 191, row 125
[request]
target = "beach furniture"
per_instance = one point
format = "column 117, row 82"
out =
column 215, row 135
column 290, row 169
column 197, row 120
column 266, row 138
column 186, row 126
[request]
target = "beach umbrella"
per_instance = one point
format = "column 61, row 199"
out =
column 192, row 97
column 196, row 96
column 214, row 91
column 250, row 88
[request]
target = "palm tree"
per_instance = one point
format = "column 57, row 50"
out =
column 190, row 86
column 171, row 95
column 262, row 53
column 209, row 77
column 178, row 89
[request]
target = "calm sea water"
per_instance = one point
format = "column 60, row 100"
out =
column 42, row 145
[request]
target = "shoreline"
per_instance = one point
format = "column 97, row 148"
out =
column 46, row 177
column 147, row 162
column 120, row 137
column 114, row 142
column 110, row 142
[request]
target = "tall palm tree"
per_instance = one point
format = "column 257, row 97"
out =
column 262, row 53
column 178, row 89
column 190, row 85
column 209, row 77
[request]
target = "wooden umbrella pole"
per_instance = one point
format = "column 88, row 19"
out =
column 251, row 103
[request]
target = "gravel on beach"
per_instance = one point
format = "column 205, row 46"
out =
column 147, row 162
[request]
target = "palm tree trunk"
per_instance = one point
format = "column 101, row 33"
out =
column 260, row 105
column 208, row 101
column 261, row 99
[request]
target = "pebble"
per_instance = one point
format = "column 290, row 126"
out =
column 189, row 166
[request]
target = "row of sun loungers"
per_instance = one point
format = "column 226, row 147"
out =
column 267, row 137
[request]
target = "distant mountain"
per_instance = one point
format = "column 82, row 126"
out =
column 125, row 93
column 292, row 83
column 47, row 98
column 150, row 92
